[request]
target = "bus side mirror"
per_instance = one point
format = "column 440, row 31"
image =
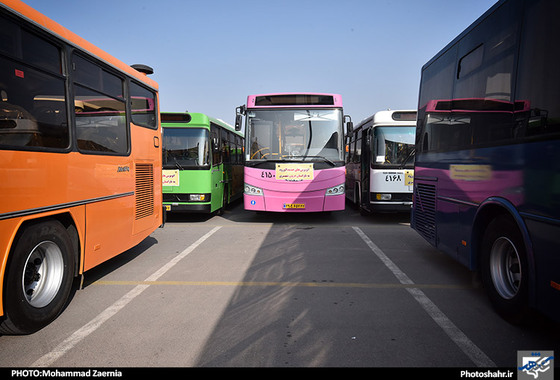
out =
column 349, row 124
column 238, row 119
column 239, row 112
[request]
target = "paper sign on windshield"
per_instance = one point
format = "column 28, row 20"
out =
column 294, row 172
column 170, row 177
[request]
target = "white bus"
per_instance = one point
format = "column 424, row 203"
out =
column 380, row 162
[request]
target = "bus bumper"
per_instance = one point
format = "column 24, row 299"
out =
column 188, row 207
column 390, row 206
column 284, row 202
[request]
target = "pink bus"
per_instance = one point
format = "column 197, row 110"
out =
column 294, row 152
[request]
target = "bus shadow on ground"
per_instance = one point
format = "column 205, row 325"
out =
column 116, row 262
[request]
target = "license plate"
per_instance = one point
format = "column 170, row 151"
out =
column 294, row 205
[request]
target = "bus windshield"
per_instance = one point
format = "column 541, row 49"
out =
column 295, row 135
column 393, row 146
column 185, row 148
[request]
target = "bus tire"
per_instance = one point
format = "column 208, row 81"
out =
column 504, row 270
column 356, row 198
column 39, row 278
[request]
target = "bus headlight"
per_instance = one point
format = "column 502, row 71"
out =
column 337, row 190
column 253, row 190
column 383, row 197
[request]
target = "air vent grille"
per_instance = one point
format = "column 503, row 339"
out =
column 144, row 190
column 425, row 211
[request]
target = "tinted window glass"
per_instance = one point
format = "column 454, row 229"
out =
column 99, row 109
column 437, row 78
column 100, row 122
column 92, row 75
column 28, row 47
column 538, row 69
column 143, row 106
column 486, row 57
column 10, row 38
column 216, row 144
column 40, row 53
column 482, row 110
column 470, row 62
column 32, row 102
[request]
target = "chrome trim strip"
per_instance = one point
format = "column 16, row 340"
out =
column 16, row 214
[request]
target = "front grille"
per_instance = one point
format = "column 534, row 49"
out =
column 175, row 197
column 144, row 190
column 425, row 211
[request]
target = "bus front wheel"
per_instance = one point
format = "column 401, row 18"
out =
column 39, row 278
column 503, row 269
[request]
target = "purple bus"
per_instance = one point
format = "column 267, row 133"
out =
column 294, row 152
column 487, row 174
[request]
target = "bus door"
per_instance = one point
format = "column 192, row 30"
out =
column 365, row 167
column 217, row 180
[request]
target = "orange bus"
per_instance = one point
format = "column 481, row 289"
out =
column 80, row 163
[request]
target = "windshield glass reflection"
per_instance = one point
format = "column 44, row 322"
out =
column 295, row 135
column 394, row 146
column 185, row 148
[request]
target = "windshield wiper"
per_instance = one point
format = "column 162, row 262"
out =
column 178, row 165
column 410, row 154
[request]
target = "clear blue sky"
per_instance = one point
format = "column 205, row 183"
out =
column 208, row 55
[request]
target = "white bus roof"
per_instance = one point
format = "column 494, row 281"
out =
column 390, row 117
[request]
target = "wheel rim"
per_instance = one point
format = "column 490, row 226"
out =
column 44, row 270
column 505, row 268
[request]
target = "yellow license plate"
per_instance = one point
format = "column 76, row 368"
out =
column 294, row 205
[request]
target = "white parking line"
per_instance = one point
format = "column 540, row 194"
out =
column 90, row 327
column 478, row 357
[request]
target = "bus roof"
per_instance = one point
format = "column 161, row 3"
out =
column 192, row 119
column 293, row 99
column 390, row 117
column 52, row 27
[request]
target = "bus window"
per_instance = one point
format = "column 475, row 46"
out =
column 393, row 145
column 100, row 122
column 185, row 148
column 99, row 109
column 215, row 136
column 32, row 106
column 143, row 106
column 91, row 75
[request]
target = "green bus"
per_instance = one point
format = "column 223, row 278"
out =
column 202, row 163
